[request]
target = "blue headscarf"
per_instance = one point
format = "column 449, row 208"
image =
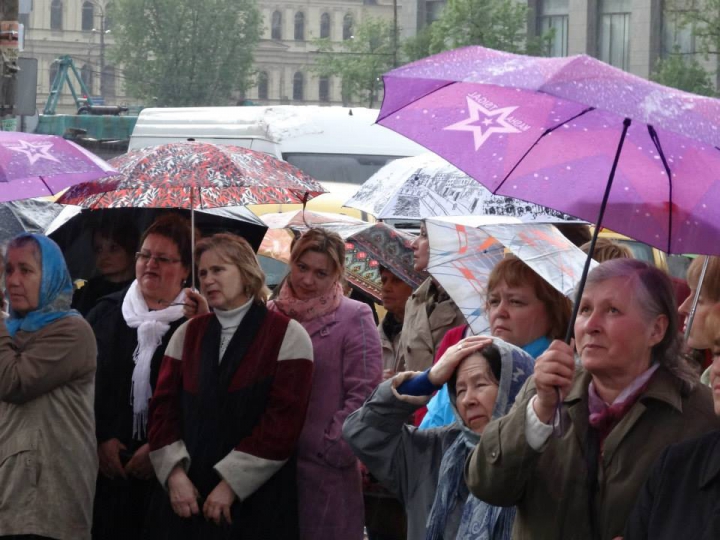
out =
column 479, row 520
column 56, row 289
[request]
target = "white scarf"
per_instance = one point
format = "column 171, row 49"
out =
column 151, row 327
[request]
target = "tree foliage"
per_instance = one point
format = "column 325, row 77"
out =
column 360, row 61
column 185, row 52
column 684, row 74
column 497, row 24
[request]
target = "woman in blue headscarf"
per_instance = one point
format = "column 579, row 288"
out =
column 425, row 468
column 48, row 458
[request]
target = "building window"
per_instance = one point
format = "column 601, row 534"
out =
column 56, row 15
column 24, row 19
column 53, row 73
column 325, row 25
column 107, row 19
column 433, row 11
column 677, row 37
column 298, row 87
column 276, row 26
column 263, row 85
column 86, row 74
column 347, row 26
column 88, row 17
column 553, row 20
column 107, row 81
column 614, row 34
column 299, row 26
column 324, row 89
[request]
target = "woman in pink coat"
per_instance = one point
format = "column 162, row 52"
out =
column 348, row 366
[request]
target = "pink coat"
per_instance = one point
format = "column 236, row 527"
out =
column 348, row 367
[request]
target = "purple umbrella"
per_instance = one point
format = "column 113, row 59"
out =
column 558, row 131
column 38, row 165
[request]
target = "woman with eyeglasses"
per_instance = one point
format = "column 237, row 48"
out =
column 133, row 328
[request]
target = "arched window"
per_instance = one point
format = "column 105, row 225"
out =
column 88, row 17
column 325, row 25
column 107, row 81
column 347, row 26
column 263, row 85
column 298, row 86
column 53, row 73
column 56, row 15
column 276, row 26
column 86, row 74
column 299, row 26
column 324, row 89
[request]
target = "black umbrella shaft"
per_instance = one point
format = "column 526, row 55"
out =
column 598, row 225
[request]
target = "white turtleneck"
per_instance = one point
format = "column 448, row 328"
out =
column 229, row 321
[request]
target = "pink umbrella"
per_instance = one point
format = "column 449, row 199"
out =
column 560, row 132
column 39, row 165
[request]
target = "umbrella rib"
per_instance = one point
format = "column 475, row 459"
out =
column 656, row 141
column 546, row 132
column 448, row 83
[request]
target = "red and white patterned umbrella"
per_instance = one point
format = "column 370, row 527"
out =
column 195, row 175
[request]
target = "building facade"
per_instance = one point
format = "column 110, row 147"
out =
column 283, row 58
column 629, row 34
column 82, row 30
column 286, row 53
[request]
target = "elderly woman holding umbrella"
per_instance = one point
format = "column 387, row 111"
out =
column 632, row 395
column 133, row 328
column 348, row 366
column 425, row 468
column 48, row 461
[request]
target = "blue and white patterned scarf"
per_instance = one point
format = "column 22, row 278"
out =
column 479, row 521
column 55, row 290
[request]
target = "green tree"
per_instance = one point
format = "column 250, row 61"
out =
column 684, row 74
column 359, row 61
column 497, row 24
column 185, row 52
column 418, row 46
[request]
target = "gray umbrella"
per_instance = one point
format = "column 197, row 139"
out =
column 29, row 215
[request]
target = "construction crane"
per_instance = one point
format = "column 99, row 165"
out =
column 100, row 128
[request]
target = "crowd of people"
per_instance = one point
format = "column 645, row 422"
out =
column 140, row 407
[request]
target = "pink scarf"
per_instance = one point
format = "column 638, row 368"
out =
column 604, row 417
column 306, row 310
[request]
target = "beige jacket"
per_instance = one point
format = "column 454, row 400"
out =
column 550, row 488
column 389, row 348
column 48, row 455
column 422, row 332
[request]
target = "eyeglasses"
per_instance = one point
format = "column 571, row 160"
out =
column 145, row 257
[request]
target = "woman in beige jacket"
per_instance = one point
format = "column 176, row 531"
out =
column 48, row 461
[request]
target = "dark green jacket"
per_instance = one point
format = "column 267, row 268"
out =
column 550, row 488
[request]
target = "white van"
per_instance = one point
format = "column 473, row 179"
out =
column 340, row 146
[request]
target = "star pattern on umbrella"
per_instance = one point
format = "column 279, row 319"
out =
column 490, row 122
column 34, row 151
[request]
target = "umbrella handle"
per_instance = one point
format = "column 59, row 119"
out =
column 560, row 431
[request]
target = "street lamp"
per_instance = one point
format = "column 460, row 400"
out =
column 102, row 32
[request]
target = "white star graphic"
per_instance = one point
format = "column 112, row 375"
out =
column 33, row 151
column 481, row 133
